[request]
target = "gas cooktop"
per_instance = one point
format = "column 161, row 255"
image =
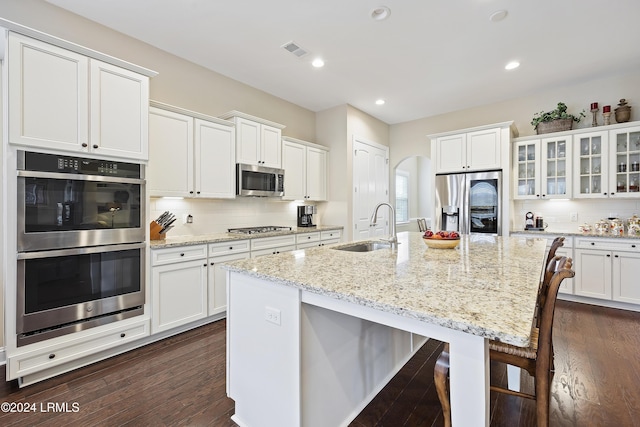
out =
column 258, row 230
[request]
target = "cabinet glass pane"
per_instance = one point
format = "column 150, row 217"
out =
column 562, row 152
column 551, row 150
column 634, row 141
column 531, row 152
column 551, row 168
column 634, row 182
column 621, row 143
column 522, row 153
column 562, row 186
column 561, row 168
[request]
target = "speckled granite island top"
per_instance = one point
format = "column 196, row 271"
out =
column 487, row 286
column 227, row 237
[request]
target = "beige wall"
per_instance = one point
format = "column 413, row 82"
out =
column 336, row 128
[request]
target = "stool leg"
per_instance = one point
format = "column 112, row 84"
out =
column 440, row 378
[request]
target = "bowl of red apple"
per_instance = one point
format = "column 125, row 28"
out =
column 441, row 239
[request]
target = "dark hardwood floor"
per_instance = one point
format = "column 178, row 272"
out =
column 180, row 381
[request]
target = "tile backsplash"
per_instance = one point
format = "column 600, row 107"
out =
column 557, row 213
column 216, row 216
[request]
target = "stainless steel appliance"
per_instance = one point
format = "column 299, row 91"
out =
column 80, row 250
column 67, row 202
column 469, row 202
column 260, row 181
column 258, row 230
column 305, row 215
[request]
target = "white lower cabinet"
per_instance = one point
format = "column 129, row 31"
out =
column 273, row 245
column 64, row 350
column 318, row 238
column 608, row 269
column 217, row 276
column 178, row 286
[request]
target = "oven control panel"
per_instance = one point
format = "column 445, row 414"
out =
column 42, row 162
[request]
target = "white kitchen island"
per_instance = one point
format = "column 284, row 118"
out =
column 313, row 335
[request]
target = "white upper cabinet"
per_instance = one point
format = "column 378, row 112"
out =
column 624, row 166
column 63, row 100
column 542, row 168
column 258, row 141
column 48, row 95
column 188, row 155
column 170, row 170
column 471, row 149
column 305, row 170
column 119, row 111
column 591, row 160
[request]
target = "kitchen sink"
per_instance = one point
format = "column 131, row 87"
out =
column 364, row 247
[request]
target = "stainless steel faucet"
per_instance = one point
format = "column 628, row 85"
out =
column 393, row 239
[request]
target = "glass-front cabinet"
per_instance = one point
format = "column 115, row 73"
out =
column 527, row 174
column 556, row 167
column 591, row 162
column 543, row 168
column 625, row 162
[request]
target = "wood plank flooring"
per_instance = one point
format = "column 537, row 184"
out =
column 180, row 381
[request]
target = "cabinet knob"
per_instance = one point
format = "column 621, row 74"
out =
column 95, row 145
column 212, row 263
column 309, row 237
column 230, row 248
column 611, row 193
column 85, row 145
column 606, row 194
column 190, row 192
column 608, row 255
column 197, row 192
column 122, row 335
column 593, row 244
column 181, row 254
column 52, row 356
column 204, row 265
column 615, row 256
column 633, row 246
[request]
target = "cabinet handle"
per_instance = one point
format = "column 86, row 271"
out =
column 212, row 263
column 122, row 335
column 633, row 246
column 197, row 192
column 181, row 254
column 615, row 256
column 608, row 255
column 52, row 356
column 204, row 265
column 85, row 145
column 95, row 145
column 230, row 248
column 190, row 192
column 593, row 244
column 606, row 194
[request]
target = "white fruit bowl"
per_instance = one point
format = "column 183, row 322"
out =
column 441, row 243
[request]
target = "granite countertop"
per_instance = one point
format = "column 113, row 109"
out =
column 226, row 237
column 486, row 286
column 573, row 234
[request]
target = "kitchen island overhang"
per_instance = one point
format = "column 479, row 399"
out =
column 284, row 312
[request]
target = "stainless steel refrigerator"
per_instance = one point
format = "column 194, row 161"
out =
column 469, row 202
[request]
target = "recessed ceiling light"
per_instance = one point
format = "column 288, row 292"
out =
column 318, row 63
column 498, row 15
column 380, row 102
column 512, row 65
column 380, row 13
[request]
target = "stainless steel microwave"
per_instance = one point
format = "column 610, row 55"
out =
column 259, row 181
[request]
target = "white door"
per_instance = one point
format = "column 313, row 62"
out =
column 48, row 95
column 294, row 165
column 119, row 111
column 170, row 171
column 215, row 160
column 371, row 186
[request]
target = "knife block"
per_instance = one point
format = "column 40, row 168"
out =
column 154, row 231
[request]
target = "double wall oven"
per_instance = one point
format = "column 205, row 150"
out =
column 81, row 244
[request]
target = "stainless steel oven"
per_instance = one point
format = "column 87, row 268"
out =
column 68, row 202
column 68, row 290
column 81, row 247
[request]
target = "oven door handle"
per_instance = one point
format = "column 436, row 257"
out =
column 79, row 251
column 65, row 176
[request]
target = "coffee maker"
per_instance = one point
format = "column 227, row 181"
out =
column 305, row 215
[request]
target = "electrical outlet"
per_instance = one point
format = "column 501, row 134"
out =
column 272, row 315
column 573, row 216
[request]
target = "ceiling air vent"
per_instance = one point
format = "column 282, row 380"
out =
column 295, row 49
